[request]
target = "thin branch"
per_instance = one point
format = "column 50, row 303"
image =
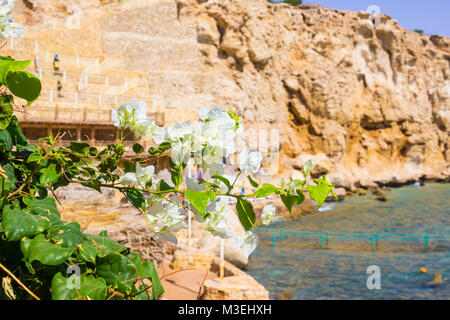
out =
column 19, row 282
column 116, row 293
column 142, row 282
column 201, row 286
column 163, row 278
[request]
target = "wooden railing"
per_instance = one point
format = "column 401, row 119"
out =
column 75, row 115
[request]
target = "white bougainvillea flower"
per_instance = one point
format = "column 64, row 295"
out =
column 247, row 243
column 148, row 128
column 203, row 113
column 180, row 151
column 166, row 219
column 291, row 188
column 179, row 131
column 216, row 222
column 217, row 226
column 131, row 115
column 308, row 166
column 218, row 129
column 268, row 213
column 192, row 185
column 157, row 133
column 142, row 127
column 8, row 28
column 155, row 186
column 128, row 179
column 144, row 175
column 218, row 117
column 6, row 7
column 249, row 162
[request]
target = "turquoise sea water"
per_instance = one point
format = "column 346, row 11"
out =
column 302, row 269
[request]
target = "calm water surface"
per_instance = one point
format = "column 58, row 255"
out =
column 302, row 269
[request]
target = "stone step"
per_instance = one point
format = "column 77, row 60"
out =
column 234, row 288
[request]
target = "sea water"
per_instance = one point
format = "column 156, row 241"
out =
column 305, row 271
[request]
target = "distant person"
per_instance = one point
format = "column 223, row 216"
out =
column 59, row 87
column 56, row 62
column 199, row 173
column 79, row 85
column 37, row 63
column 242, row 191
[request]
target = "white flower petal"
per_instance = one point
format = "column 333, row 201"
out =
column 128, row 178
column 249, row 162
column 268, row 213
column 144, row 175
column 247, row 243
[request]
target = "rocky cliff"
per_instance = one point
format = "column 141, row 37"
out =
column 371, row 106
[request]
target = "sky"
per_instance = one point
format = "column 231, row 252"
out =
column 431, row 16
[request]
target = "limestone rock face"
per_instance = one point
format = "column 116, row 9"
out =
column 372, row 106
column 369, row 106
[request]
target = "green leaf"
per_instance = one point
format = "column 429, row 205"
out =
column 34, row 157
column 79, row 147
column 245, row 213
column 266, row 190
column 137, row 148
column 92, row 184
column 292, row 2
column 176, row 177
column 200, row 199
column 11, row 180
column 88, row 252
column 5, row 140
column 93, row 151
column 236, row 119
column 10, row 65
column 136, row 198
column 300, row 197
column 67, row 234
column 252, row 182
column 116, row 269
column 164, row 186
column 89, row 287
column 38, row 249
column 6, row 111
column 161, row 148
column 289, row 199
column 45, row 208
column 16, row 134
column 18, row 224
column 129, row 166
column 24, row 85
column 149, row 271
column 49, row 175
column 88, row 171
column 320, row 192
column 224, row 180
column 98, row 246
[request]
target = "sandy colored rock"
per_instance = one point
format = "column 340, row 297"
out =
column 375, row 103
column 234, row 288
column 340, row 194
